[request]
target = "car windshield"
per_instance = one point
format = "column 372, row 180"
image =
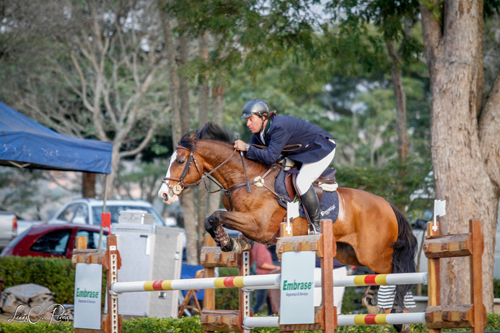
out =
column 115, row 213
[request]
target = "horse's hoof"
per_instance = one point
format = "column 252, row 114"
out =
column 228, row 247
column 398, row 328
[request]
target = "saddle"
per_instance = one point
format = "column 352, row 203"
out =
column 325, row 181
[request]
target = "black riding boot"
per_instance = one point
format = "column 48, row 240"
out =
column 311, row 203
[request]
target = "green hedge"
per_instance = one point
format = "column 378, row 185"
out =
column 227, row 299
column 192, row 324
column 54, row 273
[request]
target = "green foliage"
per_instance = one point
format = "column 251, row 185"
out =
column 20, row 189
column 174, row 325
column 352, row 301
column 435, row 7
column 496, row 288
column 54, row 273
column 396, row 182
column 227, row 299
column 192, row 325
column 36, row 328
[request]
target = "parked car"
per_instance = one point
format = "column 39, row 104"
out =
column 88, row 211
column 53, row 240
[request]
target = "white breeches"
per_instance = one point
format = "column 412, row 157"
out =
column 311, row 171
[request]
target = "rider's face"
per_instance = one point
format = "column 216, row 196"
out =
column 254, row 123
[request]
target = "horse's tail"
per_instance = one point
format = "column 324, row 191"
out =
column 403, row 257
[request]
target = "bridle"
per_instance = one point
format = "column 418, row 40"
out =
column 181, row 185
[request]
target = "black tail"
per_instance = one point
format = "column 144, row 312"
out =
column 403, row 258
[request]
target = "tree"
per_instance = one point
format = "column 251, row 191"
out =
column 101, row 74
column 465, row 136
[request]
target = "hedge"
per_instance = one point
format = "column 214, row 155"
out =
column 54, row 273
column 192, row 324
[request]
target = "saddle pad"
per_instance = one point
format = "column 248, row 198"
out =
column 329, row 204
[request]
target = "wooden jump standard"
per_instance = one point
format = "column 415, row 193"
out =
column 224, row 320
column 436, row 247
column 436, row 316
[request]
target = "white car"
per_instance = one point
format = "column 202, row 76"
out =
column 88, row 211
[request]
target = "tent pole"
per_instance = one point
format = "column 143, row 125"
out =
column 104, row 209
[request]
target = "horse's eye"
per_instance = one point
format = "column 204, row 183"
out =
column 181, row 160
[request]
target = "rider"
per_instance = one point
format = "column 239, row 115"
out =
column 312, row 146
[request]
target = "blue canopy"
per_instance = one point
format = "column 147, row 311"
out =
column 25, row 143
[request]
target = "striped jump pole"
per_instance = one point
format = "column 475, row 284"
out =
column 203, row 283
column 382, row 319
column 268, row 281
column 349, row 320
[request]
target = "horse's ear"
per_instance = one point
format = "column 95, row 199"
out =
column 194, row 136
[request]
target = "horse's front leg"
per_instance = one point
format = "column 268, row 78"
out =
column 214, row 225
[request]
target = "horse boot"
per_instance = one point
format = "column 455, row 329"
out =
column 311, row 204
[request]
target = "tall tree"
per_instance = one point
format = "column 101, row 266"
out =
column 465, row 135
column 177, row 47
column 100, row 73
column 203, row 116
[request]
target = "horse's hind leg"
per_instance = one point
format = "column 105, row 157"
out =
column 369, row 299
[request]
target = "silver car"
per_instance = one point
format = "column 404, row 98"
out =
column 88, row 211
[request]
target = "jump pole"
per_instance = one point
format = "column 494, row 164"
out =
column 267, row 281
column 436, row 316
column 324, row 246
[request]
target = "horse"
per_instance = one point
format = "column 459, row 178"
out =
column 369, row 231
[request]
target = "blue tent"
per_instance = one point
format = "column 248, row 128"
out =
column 25, row 143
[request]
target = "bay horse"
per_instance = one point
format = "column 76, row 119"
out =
column 369, row 231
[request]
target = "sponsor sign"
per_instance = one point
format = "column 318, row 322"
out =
column 88, row 281
column 297, row 287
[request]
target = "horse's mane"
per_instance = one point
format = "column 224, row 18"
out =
column 210, row 131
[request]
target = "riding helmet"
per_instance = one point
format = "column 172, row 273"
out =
column 255, row 106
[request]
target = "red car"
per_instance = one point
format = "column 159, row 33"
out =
column 53, row 240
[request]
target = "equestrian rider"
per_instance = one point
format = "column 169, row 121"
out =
column 315, row 148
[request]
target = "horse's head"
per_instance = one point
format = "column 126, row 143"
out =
column 186, row 164
column 183, row 171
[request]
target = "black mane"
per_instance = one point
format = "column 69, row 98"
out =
column 210, row 131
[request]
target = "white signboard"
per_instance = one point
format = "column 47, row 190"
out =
column 88, row 282
column 297, row 287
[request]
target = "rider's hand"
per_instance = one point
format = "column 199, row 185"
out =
column 239, row 145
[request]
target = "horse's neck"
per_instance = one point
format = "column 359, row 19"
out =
column 230, row 173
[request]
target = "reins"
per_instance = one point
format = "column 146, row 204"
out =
column 177, row 189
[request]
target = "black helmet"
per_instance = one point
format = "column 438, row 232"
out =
column 255, row 106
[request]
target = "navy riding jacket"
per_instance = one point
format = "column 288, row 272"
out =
column 282, row 131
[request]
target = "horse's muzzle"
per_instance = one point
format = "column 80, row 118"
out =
column 169, row 200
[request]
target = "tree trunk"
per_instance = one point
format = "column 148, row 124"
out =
column 218, row 106
column 187, row 198
column 88, row 185
column 400, row 96
column 203, row 108
column 115, row 161
column 170, row 48
column 184, row 86
column 218, row 100
column 179, row 99
column 460, row 172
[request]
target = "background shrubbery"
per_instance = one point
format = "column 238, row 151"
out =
column 54, row 273
column 58, row 275
column 192, row 325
